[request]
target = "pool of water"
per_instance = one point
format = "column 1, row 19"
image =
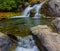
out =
column 21, row 27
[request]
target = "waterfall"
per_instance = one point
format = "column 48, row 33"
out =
column 38, row 8
column 26, row 12
column 26, row 44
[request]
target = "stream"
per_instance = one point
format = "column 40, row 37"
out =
column 21, row 27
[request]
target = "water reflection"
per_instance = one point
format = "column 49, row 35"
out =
column 22, row 25
column 32, row 22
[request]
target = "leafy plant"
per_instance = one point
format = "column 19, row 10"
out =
column 7, row 5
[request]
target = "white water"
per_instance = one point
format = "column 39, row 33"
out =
column 38, row 8
column 26, row 12
column 26, row 44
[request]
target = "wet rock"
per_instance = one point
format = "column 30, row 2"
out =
column 5, row 42
column 32, row 13
column 20, row 8
column 56, row 24
column 49, row 39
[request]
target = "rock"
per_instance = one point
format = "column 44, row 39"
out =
column 49, row 39
column 20, row 8
column 54, row 7
column 5, row 42
column 26, row 4
column 56, row 23
column 32, row 13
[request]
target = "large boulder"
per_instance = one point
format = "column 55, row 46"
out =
column 5, row 42
column 54, row 7
column 49, row 39
column 56, row 23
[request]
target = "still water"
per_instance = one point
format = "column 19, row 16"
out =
column 21, row 26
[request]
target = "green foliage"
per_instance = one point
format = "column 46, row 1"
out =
column 7, row 4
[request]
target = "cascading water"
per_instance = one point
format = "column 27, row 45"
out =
column 38, row 8
column 26, row 12
column 26, row 44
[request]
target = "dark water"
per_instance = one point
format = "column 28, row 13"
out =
column 21, row 26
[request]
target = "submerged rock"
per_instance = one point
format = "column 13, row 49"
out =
column 5, row 42
column 56, row 24
column 49, row 39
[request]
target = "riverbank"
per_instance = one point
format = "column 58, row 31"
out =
column 9, row 14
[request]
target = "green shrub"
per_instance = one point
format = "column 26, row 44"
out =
column 10, row 5
column 7, row 5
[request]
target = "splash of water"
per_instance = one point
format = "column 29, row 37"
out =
column 38, row 8
column 26, row 44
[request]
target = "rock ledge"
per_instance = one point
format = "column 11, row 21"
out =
column 49, row 39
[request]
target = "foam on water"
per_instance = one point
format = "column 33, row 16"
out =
column 27, row 49
column 26, row 44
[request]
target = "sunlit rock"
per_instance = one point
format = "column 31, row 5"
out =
column 49, row 39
